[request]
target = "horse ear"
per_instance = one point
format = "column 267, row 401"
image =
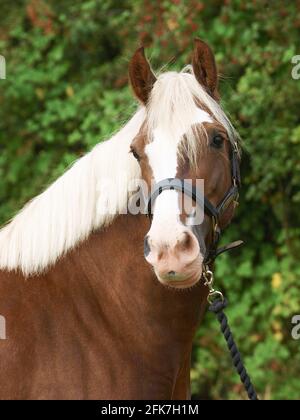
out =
column 205, row 69
column 141, row 76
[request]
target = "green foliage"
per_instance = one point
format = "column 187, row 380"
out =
column 66, row 90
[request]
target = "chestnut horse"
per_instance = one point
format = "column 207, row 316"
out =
column 89, row 313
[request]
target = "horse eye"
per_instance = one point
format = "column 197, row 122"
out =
column 217, row 141
column 135, row 155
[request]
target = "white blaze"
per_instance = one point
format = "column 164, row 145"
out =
column 162, row 157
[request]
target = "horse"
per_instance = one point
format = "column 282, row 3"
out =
column 100, row 303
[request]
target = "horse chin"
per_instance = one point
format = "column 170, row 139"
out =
column 181, row 282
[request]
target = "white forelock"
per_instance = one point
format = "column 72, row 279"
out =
column 173, row 107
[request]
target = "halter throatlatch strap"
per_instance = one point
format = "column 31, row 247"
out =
column 229, row 247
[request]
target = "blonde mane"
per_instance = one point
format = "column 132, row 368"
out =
column 73, row 206
column 78, row 202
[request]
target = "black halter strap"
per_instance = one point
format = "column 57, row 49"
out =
column 185, row 188
column 214, row 212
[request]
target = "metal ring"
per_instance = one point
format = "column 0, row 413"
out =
column 209, row 277
column 214, row 294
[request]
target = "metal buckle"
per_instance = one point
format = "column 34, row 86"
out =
column 209, row 280
column 216, row 226
column 236, row 147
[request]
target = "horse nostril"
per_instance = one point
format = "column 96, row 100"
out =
column 146, row 246
column 171, row 273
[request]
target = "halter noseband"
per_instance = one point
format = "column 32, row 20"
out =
column 214, row 212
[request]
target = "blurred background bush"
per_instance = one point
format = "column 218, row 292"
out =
column 66, row 90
